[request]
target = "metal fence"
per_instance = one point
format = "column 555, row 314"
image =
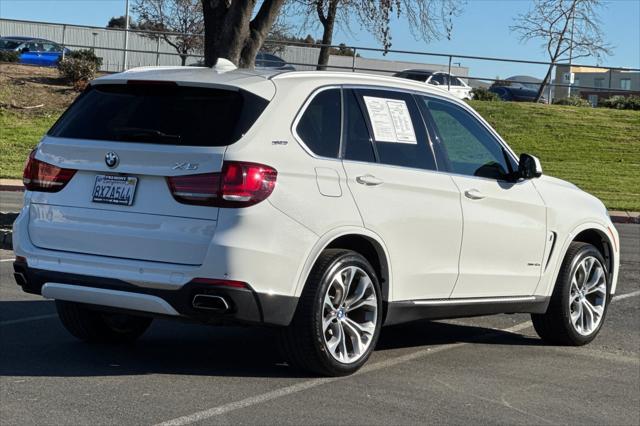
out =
column 146, row 48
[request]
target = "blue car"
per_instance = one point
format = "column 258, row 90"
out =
column 34, row 51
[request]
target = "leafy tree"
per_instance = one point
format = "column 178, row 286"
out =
column 234, row 32
column 120, row 22
column 180, row 21
column 569, row 29
column 428, row 19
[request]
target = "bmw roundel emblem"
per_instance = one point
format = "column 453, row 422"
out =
column 111, row 159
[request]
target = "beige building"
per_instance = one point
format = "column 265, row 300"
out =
column 596, row 83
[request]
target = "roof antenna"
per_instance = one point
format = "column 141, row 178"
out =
column 223, row 65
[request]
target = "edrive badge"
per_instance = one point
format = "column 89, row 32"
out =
column 111, row 159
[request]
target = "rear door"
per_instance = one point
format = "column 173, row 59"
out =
column 393, row 177
column 127, row 143
column 504, row 220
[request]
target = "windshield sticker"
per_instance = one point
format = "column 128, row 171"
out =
column 390, row 119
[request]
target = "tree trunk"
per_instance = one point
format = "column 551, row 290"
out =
column 556, row 54
column 230, row 33
column 183, row 59
column 258, row 31
column 328, row 23
column 545, row 81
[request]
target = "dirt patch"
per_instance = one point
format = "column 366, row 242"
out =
column 33, row 91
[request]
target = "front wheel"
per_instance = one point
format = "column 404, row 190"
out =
column 580, row 299
column 339, row 314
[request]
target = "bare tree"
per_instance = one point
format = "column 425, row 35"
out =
column 181, row 22
column 569, row 29
column 232, row 31
column 428, row 19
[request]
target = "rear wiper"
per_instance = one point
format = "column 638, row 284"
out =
column 144, row 133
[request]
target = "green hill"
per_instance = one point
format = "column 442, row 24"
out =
column 597, row 149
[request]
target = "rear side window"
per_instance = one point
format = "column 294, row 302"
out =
column 397, row 128
column 160, row 114
column 319, row 126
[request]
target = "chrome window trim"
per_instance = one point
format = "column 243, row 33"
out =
column 415, row 92
column 454, row 101
column 301, row 112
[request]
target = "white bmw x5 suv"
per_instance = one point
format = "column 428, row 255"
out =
column 326, row 204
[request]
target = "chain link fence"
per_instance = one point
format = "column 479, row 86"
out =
column 149, row 48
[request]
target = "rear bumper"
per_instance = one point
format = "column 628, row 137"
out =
column 244, row 306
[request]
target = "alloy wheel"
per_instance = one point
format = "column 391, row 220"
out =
column 587, row 296
column 349, row 314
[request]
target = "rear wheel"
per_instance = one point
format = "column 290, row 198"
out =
column 339, row 314
column 580, row 299
column 100, row 327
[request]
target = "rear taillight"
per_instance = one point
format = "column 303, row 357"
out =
column 44, row 177
column 239, row 184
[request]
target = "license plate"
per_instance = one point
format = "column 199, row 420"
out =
column 114, row 189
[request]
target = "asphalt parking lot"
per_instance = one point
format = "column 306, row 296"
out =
column 480, row 370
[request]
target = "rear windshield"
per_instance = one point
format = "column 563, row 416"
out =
column 160, row 114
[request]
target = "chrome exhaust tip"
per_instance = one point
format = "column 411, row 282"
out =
column 20, row 279
column 210, row 302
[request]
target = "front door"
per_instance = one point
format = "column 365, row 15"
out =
column 504, row 219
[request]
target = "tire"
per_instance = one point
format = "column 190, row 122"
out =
column 557, row 326
column 309, row 343
column 100, row 327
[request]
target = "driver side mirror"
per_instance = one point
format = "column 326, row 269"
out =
column 529, row 167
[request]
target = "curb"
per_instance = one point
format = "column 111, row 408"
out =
column 12, row 185
column 11, row 188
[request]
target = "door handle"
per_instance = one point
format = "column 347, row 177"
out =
column 368, row 180
column 474, row 194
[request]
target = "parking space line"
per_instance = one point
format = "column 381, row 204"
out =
column 7, row 260
column 27, row 319
column 308, row 384
column 626, row 295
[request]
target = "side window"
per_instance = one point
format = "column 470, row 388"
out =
column 397, row 128
column 455, row 81
column 358, row 146
column 319, row 126
column 470, row 147
column 439, row 79
column 49, row 47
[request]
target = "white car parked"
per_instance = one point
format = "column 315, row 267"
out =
column 449, row 82
column 328, row 204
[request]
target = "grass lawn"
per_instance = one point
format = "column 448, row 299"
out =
column 18, row 135
column 597, row 149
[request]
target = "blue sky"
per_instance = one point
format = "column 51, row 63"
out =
column 481, row 30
